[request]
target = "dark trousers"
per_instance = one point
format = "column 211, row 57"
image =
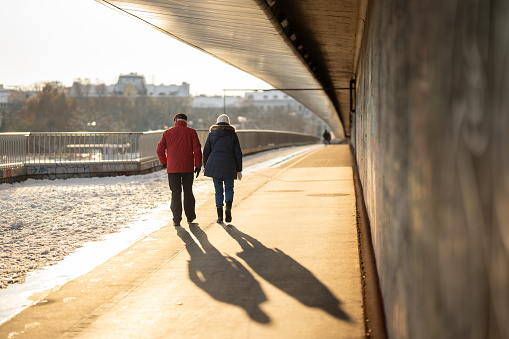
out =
column 182, row 182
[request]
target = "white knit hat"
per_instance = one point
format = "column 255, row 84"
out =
column 223, row 118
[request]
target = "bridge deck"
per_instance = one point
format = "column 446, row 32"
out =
column 286, row 267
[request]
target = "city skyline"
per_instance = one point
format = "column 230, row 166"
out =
column 63, row 41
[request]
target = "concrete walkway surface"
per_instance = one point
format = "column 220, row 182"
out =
column 287, row 266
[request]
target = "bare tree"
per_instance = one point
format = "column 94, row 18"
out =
column 50, row 111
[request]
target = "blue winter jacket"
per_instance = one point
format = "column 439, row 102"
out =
column 222, row 156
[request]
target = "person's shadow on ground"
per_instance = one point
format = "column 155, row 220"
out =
column 223, row 277
column 285, row 273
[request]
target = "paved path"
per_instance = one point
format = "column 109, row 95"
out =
column 286, row 267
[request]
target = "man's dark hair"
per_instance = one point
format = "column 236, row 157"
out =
column 180, row 116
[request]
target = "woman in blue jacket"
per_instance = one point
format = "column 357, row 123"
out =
column 222, row 159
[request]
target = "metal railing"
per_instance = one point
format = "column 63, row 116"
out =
column 82, row 147
column 18, row 150
column 13, row 150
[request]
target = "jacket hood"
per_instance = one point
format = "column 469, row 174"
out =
column 222, row 129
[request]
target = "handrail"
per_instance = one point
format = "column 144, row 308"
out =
column 60, row 149
column 65, row 147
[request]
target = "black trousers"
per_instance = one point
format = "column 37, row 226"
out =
column 182, row 182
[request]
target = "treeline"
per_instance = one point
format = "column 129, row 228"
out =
column 52, row 110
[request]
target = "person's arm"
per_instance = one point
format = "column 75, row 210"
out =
column 196, row 150
column 206, row 151
column 161, row 151
column 237, row 151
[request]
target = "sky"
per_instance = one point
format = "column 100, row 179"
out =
column 66, row 40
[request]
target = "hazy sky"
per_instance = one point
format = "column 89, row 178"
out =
column 63, row 40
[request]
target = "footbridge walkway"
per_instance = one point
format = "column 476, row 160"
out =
column 287, row 266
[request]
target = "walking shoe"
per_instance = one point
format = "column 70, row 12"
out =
column 219, row 215
column 190, row 220
column 176, row 223
column 228, row 211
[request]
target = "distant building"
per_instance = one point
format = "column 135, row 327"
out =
column 168, row 90
column 217, row 101
column 4, row 99
column 130, row 85
column 267, row 100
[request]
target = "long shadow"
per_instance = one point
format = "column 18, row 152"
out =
column 224, row 278
column 285, row 273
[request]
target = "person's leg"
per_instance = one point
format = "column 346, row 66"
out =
column 175, row 182
column 189, row 201
column 228, row 188
column 218, row 185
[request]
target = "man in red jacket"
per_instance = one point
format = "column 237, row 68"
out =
column 180, row 152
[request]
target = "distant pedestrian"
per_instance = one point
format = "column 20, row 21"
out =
column 326, row 137
column 222, row 158
column 180, row 152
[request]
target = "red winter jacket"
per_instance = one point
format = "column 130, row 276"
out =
column 180, row 149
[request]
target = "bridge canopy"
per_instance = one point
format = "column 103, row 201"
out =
column 308, row 49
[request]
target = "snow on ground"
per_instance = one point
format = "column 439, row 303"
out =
column 43, row 221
